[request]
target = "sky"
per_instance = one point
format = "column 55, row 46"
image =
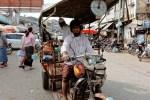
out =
column 51, row 1
column 46, row 2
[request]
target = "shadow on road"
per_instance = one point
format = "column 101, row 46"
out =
column 125, row 91
column 146, row 59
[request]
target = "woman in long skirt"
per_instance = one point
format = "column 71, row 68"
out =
column 28, row 44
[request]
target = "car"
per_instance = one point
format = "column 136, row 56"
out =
column 15, row 40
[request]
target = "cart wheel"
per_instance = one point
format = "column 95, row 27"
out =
column 53, row 85
column 45, row 79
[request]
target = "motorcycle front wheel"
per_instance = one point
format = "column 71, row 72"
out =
column 79, row 91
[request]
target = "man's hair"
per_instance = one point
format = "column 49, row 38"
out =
column 75, row 23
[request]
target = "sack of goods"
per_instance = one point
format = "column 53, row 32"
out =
column 115, row 50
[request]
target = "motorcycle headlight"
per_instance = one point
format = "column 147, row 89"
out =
column 79, row 70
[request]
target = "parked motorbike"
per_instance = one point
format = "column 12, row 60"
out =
column 85, row 87
column 145, row 53
column 133, row 48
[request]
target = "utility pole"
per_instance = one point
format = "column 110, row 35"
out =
column 119, row 22
column 120, row 25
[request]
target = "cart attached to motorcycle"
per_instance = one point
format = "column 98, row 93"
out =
column 84, row 10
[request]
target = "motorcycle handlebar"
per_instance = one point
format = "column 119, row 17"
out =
column 86, row 57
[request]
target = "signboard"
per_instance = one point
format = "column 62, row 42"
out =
column 146, row 24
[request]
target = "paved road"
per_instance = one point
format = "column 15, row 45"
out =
column 17, row 84
column 128, row 79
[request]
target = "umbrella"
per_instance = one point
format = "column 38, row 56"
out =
column 89, row 31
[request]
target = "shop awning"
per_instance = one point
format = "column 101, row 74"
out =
column 75, row 9
column 107, row 26
column 102, row 26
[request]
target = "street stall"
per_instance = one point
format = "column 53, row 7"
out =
column 86, row 11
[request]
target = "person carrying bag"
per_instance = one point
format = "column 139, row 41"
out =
column 28, row 45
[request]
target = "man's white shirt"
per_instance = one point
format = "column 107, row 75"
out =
column 77, row 46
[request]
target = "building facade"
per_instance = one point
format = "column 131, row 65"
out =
column 139, row 13
column 128, row 18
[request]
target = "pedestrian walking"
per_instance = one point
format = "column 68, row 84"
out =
column 28, row 45
column 3, row 50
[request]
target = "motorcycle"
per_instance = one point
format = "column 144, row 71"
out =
column 132, row 48
column 145, row 53
column 86, row 86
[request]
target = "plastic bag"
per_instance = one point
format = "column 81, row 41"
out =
column 115, row 50
column 35, row 56
column 20, row 53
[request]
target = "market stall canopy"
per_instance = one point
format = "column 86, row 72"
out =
column 22, row 4
column 75, row 9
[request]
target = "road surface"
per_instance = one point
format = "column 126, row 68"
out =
column 127, row 79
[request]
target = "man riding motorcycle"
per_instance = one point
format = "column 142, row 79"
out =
column 74, row 45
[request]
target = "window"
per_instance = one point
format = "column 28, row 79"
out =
column 14, row 36
column 18, row 36
column 11, row 36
